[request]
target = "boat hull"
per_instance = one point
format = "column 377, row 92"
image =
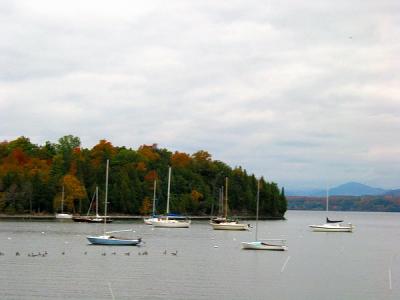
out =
column 263, row 246
column 149, row 221
column 63, row 216
column 171, row 224
column 91, row 220
column 109, row 241
column 331, row 228
column 229, row 226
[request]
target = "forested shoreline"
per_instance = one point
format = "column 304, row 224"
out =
column 32, row 177
column 381, row 203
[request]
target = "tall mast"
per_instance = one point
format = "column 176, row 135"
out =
column 154, row 198
column 97, row 201
column 226, row 197
column 169, row 187
column 221, row 201
column 105, row 200
column 62, row 200
column 327, row 199
column 258, row 203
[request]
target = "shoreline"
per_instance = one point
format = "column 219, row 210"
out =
column 122, row 217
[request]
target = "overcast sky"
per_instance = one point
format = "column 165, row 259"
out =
column 305, row 93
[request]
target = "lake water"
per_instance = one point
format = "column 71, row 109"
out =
column 209, row 264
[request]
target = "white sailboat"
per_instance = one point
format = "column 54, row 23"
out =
column 63, row 215
column 107, row 238
column 331, row 225
column 149, row 221
column 264, row 244
column 166, row 222
column 224, row 223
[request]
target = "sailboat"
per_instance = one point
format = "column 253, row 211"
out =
column 92, row 219
column 220, row 218
column 149, row 221
column 63, row 215
column 166, row 222
column 331, row 225
column 264, row 244
column 107, row 238
column 224, row 223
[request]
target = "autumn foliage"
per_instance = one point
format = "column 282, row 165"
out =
column 32, row 177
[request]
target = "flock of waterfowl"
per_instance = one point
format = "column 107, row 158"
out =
column 45, row 253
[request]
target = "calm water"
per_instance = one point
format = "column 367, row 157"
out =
column 210, row 264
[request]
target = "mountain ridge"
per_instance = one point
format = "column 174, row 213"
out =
column 351, row 188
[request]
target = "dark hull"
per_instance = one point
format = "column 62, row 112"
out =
column 90, row 220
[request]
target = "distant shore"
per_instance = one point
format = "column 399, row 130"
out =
column 121, row 217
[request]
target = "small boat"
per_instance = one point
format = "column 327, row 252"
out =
column 63, row 215
column 167, row 222
column 333, row 221
column 264, row 244
column 153, row 218
column 223, row 223
column 93, row 219
column 171, row 223
column 230, row 225
column 106, row 238
column 332, row 227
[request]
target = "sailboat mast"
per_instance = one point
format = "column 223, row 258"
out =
column 327, row 200
column 97, row 201
column 62, row 200
column 226, row 197
column 154, row 198
column 169, row 187
column 221, row 201
column 258, row 203
column 106, row 196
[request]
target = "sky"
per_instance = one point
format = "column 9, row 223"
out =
column 304, row 93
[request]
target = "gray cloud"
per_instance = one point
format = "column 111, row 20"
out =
column 304, row 93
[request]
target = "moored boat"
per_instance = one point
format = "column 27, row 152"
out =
column 106, row 238
column 167, row 222
column 332, row 227
column 267, row 244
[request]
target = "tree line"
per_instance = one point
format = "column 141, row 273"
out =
column 384, row 203
column 32, row 177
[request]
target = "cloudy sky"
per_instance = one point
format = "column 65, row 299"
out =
column 305, row 93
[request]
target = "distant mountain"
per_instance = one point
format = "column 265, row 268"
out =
column 347, row 189
column 355, row 189
column 394, row 193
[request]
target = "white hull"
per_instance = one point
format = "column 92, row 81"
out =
column 63, row 216
column 229, row 226
column 171, row 224
column 263, row 246
column 335, row 227
column 149, row 221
